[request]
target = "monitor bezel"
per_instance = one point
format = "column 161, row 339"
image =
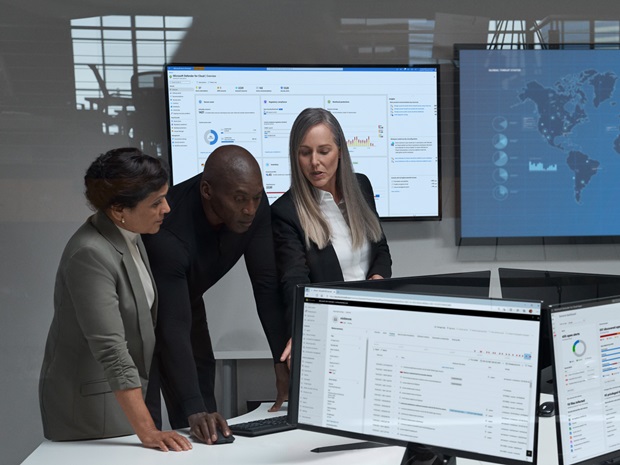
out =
column 547, row 278
column 508, row 239
column 566, row 307
column 462, row 284
column 446, row 452
column 434, row 66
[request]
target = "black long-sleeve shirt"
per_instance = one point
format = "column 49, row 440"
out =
column 187, row 257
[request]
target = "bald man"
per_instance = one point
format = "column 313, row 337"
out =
column 215, row 218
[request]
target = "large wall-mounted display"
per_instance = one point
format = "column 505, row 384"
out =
column 389, row 116
column 539, row 136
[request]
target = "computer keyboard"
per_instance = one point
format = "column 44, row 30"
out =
column 268, row 425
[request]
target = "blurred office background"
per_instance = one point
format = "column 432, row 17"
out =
column 80, row 78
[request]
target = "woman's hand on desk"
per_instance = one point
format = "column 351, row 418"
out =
column 164, row 440
column 286, row 354
column 134, row 407
column 282, row 381
column 283, row 373
column 203, row 426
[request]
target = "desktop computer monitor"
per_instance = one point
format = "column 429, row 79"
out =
column 586, row 348
column 552, row 288
column 556, row 287
column 468, row 283
column 455, row 374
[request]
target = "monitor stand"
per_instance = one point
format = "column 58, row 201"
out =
column 546, row 380
column 418, row 454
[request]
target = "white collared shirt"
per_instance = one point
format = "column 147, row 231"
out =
column 354, row 263
column 132, row 243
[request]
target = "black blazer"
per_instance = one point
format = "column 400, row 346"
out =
column 299, row 265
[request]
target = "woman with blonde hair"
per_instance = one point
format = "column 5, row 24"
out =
column 326, row 226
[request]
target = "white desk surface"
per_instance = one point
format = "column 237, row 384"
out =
column 287, row 448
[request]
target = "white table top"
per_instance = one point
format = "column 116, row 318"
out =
column 286, row 448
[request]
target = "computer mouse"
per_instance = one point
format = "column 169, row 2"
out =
column 221, row 439
column 546, row 409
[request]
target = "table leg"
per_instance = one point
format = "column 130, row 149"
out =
column 229, row 389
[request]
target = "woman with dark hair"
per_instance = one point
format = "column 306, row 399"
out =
column 100, row 343
column 326, row 226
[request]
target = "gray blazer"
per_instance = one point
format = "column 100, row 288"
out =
column 101, row 338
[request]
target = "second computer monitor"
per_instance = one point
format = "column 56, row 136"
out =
column 457, row 374
column 553, row 288
column 586, row 355
column 556, row 287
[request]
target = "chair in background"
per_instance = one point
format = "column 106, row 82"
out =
column 113, row 107
column 149, row 118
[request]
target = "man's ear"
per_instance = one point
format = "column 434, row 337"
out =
column 206, row 190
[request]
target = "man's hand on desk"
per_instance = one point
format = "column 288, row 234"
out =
column 282, row 381
column 203, row 426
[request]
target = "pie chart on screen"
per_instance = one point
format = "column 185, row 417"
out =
column 211, row 137
column 500, row 123
column 500, row 158
column 500, row 193
column 500, row 141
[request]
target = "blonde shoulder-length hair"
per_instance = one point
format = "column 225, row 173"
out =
column 361, row 219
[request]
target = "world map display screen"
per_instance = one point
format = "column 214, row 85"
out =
column 539, row 143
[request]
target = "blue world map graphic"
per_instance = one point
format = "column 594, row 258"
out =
column 561, row 108
column 539, row 143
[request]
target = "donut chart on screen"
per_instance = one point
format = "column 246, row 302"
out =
column 579, row 348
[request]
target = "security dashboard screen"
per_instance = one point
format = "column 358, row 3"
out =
column 389, row 116
column 451, row 372
column 586, row 348
column 539, row 143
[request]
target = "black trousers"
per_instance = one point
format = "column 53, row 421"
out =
column 161, row 380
